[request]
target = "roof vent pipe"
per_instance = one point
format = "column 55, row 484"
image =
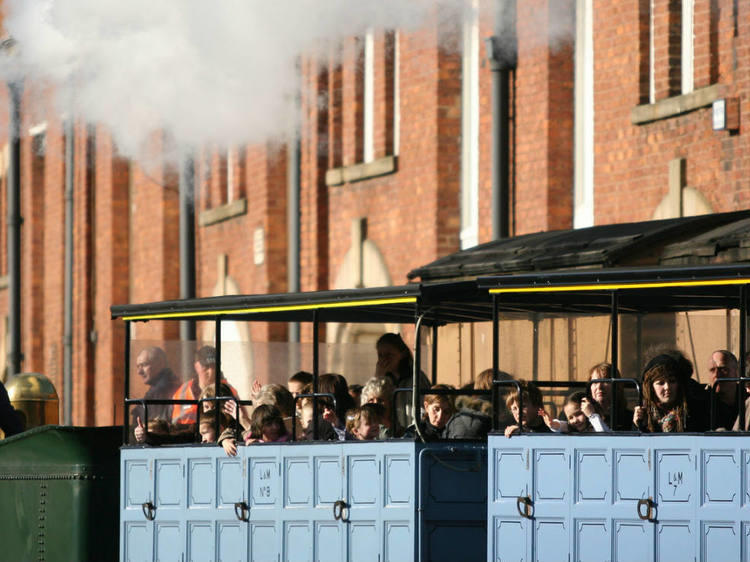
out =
column 501, row 53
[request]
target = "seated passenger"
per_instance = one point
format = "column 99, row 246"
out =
column 355, row 391
column 379, row 390
column 298, row 381
column 277, row 395
column 442, row 421
column 207, row 426
column 722, row 365
column 205, row 374
column 531, row 418
column 364, row 423
column 666, row 407
column 601, row 397
column 396, row 362
column 335, row 414
column 151, row 366
column 580, row 416
column 266, row 426
column 305, row 429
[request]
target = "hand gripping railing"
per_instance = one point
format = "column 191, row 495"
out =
column 315, row 396
column 144, row 403
column 613, row 401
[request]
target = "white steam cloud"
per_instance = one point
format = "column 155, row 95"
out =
column 206, row 72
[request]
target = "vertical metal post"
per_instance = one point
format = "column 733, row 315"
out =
column 434, row 353
column 218, row 351
column 615, row 358
column 126, row 413
column 187, row 240
column 68, row 273
column 14, row 231
column 743, row 351
column 495, row 361
column 316, row 371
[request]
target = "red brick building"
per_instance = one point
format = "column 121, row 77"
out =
column 619, row 111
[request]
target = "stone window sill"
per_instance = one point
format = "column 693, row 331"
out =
column 363, row 171
column 676, row 105
column 223, row 213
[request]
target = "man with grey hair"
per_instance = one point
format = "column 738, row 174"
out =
column 151, row 366
column 723, row 365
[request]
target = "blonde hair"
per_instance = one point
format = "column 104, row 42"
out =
column 369, row 413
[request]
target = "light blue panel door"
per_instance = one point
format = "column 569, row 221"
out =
column 312, row 477
column 399, row 538
column 169, row 542
column 364, row 496
column 232, row 540
column 265, row 502
column 509, row 482
column 719, row 511
column 677, row 535
column 136, row 489
column 591, row 500
column 633, row 482
column 551, row 496
column 136, row 544
column 200, row 541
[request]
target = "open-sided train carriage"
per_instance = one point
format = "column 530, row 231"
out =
column 627, row 495
column 396, row 499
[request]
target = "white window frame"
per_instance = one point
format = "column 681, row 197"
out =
column 687, row 52
column 583, row 190
column 469, row 235
column 368, row 128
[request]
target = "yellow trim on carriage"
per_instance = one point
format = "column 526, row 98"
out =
column 615, row 286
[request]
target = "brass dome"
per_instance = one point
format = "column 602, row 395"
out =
column 35, row 398
column 31, row 386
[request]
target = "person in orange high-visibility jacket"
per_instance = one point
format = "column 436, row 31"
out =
column 205, row 370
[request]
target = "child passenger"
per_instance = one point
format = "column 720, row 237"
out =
column 531, row 418
column 363, row 423
column 580, row 416
column 207, row 426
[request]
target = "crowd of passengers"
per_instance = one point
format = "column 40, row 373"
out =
column 672, row 401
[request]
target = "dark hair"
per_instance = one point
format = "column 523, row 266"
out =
column 302, row 377
column 206, row 356
column 336, row 384
column 663, row 368
column 395, row 340
column 265, row 414
column 575, row 397
column 531, row 394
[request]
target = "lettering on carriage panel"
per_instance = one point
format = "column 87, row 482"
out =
column 264, row 482
column 675, row 479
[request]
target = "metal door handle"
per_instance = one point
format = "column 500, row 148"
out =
column 242, row 511
column 149, row 510
column 528, row 507
column 338, row 511
column 650, row 509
